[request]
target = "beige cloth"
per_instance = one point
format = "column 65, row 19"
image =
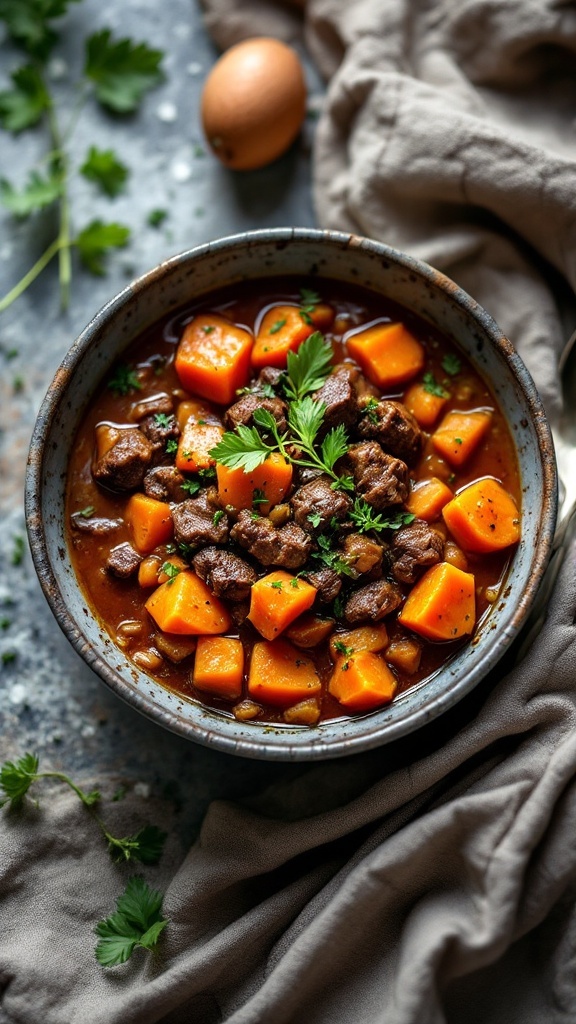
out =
column 433, row 881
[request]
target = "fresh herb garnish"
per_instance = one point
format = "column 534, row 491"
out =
column 116, row 74
column 332, row 559
column 430, row 384
column 308, row 367
column 341, row 647
column 364, row 518
column 218, row 516
column 137, row 921
column 370, row 409
column 451, row 364
column 277, row 326
column 315, row 518
column 86, row 512
column 162, row 420
column 17, row 777
column 208, row 328
column 276, row 585
column 171, row 446
column 458, row 440
column 258, row 497
column 308, row 302
column 170, row 570
column 124, row 380
column 191, row 487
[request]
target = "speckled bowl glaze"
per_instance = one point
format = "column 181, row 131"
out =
column 177, row 282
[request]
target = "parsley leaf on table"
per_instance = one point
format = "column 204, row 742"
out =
column 23, row 106
column 36, row 194
column 96, row 240
column 137, row 921
column 121, row 71
column 27, row 22
column 103, row 167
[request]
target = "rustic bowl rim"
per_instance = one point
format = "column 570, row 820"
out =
column 256, row 744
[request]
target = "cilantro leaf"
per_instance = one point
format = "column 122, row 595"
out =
column 308, row 368
column 23, row 106
column 27, row 22
column 95, row 241
column 137, row 921
column 103, row 168
column 121, row 70
column 17, row 777
column 451, row 364
column 36, row 194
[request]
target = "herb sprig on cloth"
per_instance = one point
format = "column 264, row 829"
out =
column 137, row 921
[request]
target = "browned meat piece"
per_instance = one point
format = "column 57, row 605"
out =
column 225, row 574
column 161, row 403
column 243, row 411
column 327, row 583
column 372, row 602
column 394, row 428
column 381, row 479
column 304, row 474
column 362, row 553
column 339, row 396
column 123, row 466
column 197, row 521
column 123, row 561
column 317, row 498
column 159, row 429
column 98, row 526
column 288, row 546
column 270, row 375
column 165, row 484
column 414, row 548
column 239, row 611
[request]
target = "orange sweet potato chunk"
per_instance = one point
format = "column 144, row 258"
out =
column 185, row 605
column 442, row 604
column 424, row 406
column 427, row 499
column 281, row 675
column 483, row 517
column 362, row 681
column 276, row 600
column 271, row 480
column 387, row 353
column 460, row 433
column 195, row 443
column 283, row 329
column 213, row 358
column 149, row 522
column 219, row 666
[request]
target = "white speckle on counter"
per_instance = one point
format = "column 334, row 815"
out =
column 6, row 252
column 194, row 68
column 57, row 69
column 142, row 789
column 167, row 112
column 181, row 31
column 17, row 694
column 87, row 732
column 181, row 170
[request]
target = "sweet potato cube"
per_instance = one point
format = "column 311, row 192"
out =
column 185, row 605
column 424, row 406
column 427, row 499
column 276, row 600
column 387, row 353
column 195, row 443
column 306, row 712
column 282, row 330
column 362, row 681
column 364, row 638
column 483, row 517
column 149, row 522
column 219, row 666
column 309, row 630
column 460, row 433
column 405, row 653
column 281, row 675
column 442, row 604
column 240, row 490
column 213, row 358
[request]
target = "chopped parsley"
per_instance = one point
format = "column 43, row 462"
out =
column 430, row 385
column 276, row 585
column 171, row 446
column 170, row 570
column 208, row 328
column 218, row 516
column 315, row 518
column 124, row 380
column 162, row 420
column 86, row 512
column 370, row 409
column 365, row 519
column 451, row 364
column 277, row 326
column 191, row 487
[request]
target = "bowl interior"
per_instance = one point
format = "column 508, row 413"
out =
column 266, row 254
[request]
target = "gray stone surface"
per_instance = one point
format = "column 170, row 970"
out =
column 50, row 702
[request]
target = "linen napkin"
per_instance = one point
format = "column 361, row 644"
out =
column 432, row 881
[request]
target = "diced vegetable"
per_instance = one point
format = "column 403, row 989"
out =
column 195, row 443
column 175, row 648
column 322, row 316
column 219, row 666
column 246, row 710
column 149, row 522
column 271, row 480
column 387, row 353
column 455, row 555
column 442, row 604
column 213, row 358
column 364, row 638
column 427, row 499
column 281, row 675
column 362, row 681
column 283, row 329
column 424, row 405
column 148, row 571
column 276, row 600
column 185, row 605
column 195, row 409
column 405, row 654
column 483, row 517
column 460, row 433
column 309, row 630
column 306, row 712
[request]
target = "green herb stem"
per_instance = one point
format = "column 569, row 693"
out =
column 87, row 799
column 31, row 274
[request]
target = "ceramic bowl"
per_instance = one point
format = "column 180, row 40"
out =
column 267, row 253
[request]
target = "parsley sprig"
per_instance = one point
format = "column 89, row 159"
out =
column 116, row 74
column 308, row 367
column 16, row 778
column 137, row 921
column 365, row 519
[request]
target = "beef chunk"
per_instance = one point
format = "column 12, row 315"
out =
column 318, row 498
column 362, row 553
column 161, row 403
column 225, row 574
column 394, row 428
column 242, row 411
column 270, row 375
column 327, row 583
column 372, row 602
column 339, row 396
column 415, row 547
column 123, row 561
column 123, row 466
column 381, row 479
column 165, row 484
column 287, row 546
column 159, row 433
column 194, row 522
column 98, row 526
